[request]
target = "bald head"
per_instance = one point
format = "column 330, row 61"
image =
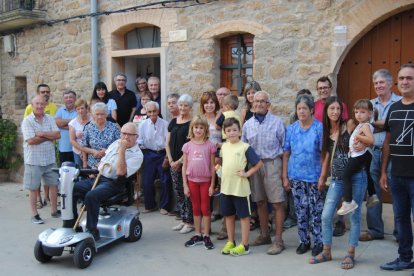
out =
column 221, row 93
column 129, row 133
column 38, row 105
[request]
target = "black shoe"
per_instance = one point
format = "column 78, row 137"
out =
column 339, row 229
column 95, row 234
column 302, row 248
column 195, row 240
column 317, row 249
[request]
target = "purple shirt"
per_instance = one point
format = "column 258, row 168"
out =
column 199, row 160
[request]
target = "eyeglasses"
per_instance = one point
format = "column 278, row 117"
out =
column 44, row 92
column 261, row 102
column 128, row 134
column 121, row 80
column 324, row 88
column 142, row 83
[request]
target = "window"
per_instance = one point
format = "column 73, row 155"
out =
column 145, row 37
column 20, row 94
column 236, row 66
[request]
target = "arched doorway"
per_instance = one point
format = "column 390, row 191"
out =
column 387, row 45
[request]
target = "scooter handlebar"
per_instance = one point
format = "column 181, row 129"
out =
column 81, row 171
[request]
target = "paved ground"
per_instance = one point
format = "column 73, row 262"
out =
column 161, row 251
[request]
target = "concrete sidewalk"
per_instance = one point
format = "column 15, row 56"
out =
column 161, row 251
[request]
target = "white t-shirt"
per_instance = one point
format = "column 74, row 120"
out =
column 78, row 132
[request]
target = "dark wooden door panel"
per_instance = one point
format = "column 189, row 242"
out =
column 387, row 45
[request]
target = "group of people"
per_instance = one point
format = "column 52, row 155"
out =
column 251, row 160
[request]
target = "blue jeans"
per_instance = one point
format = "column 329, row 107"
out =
column 402, row 189
column 335, row 192
column 374, row 214
column 78, row 159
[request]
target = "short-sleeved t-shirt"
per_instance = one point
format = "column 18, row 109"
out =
column 178, row 137
column 78, row 127
column 125, row 103
column 400, row 124
column 305, row 147
column 50, row 109
column 235, row 158
column 199, row 160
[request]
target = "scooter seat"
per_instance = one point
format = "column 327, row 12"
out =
column 126, row 197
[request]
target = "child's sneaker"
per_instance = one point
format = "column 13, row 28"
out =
column 195, row 240
column 239, row 250
column 372, row 200
column 226, row 249
column 347, row 207
column 207, row 243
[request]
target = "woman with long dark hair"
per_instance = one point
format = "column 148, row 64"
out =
column 101, row 94
column 335, row 142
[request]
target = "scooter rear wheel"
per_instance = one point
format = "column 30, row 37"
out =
column 84, row 253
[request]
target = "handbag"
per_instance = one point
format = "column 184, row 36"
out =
column 329, row 178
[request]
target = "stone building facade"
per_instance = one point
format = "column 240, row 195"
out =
column 295, row 42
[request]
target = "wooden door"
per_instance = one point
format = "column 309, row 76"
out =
column 387, row 45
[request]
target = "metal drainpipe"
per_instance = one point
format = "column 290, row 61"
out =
column 94, row 43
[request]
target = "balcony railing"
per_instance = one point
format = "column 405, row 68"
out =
column 17, row 14
column 10, row 5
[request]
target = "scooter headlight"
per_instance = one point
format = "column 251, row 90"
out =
column 66, row 239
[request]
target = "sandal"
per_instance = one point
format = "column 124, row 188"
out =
column 321, row 258
column 348, row 262
column 39, row 204
column 254, row 223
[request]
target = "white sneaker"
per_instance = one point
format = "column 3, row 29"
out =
column 347, row 207
column 178, row 227
column 186, row 229
column 372, row 200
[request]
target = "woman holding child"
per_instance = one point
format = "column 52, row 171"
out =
column 335, row 142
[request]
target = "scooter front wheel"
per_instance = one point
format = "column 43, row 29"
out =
column 84, row 253
column 39, row 254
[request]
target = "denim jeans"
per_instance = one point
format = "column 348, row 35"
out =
column 78, row 159
column 402, row 189
column 374, row 214
column 335, row 192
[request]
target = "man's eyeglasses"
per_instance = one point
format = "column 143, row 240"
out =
column 121, row 80
column 128, row 134
column 324, row 88
column 44, row 92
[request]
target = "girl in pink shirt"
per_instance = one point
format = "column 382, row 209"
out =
column 198, row 178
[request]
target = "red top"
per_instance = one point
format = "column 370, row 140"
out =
column 318, row 110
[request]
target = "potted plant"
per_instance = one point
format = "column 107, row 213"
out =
column 8, row 140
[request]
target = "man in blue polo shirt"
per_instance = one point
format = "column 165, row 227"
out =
column 62, row 118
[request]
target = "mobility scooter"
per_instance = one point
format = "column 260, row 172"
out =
column 116, row 221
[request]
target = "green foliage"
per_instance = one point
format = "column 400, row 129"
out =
column 8, row 140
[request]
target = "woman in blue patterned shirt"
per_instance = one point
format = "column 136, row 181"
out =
column 301, row 171
column 98, row 135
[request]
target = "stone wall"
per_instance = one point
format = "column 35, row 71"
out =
column 293, row 45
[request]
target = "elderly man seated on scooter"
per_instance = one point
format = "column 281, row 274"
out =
column 125, row 159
